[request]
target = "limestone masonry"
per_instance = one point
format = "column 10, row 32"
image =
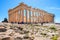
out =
column 26, row 14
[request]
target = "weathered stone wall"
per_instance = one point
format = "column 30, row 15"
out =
column 27, row 14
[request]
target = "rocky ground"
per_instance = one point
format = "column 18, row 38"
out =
column 48, row 31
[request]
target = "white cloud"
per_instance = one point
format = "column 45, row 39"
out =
column 54, row 8
column 57, row 20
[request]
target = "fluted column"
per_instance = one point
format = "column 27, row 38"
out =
column 16, row 16
column 22, row 15
column 30, row 16
column 26, row 16
column 38, row 17
column 33, row 15
column 42, row 17
column 19, row 16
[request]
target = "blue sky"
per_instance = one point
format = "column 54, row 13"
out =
column 52, row 6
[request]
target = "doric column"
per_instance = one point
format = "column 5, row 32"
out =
column 22, row 15
column 30, row 16
column 33, row 16
column 26, row 16
column 16, row 16
column 19, row 15
column 38, row 17
column 42, row 17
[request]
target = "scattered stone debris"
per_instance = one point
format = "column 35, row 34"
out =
column 10, row 31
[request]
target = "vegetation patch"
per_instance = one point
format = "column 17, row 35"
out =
column 53, row 28
column 44, row 34
column 55, row 37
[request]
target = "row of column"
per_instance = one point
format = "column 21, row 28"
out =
column 29, row 16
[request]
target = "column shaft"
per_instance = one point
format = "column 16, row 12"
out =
column 22, row 15
column 29, row 16
column 33, row 15
column 26, row 16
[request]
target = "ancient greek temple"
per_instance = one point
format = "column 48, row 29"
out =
column 26, row 14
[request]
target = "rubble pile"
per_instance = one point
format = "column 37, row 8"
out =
column 10, row 31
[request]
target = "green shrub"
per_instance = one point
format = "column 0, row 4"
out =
column 53, row 28
column 54, row 37
column 36, row 25
column 43, row 34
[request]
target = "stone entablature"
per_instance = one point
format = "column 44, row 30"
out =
column 27, row 14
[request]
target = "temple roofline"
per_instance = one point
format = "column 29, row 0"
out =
column 22, row 3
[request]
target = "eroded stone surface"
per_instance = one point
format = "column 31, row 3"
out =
column 29, row 32
column 26, row 14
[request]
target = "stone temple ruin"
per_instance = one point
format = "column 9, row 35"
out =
column 26, row 14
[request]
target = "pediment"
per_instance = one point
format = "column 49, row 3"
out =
column 22, row 4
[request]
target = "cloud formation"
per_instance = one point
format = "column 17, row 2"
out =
column 53, row 8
